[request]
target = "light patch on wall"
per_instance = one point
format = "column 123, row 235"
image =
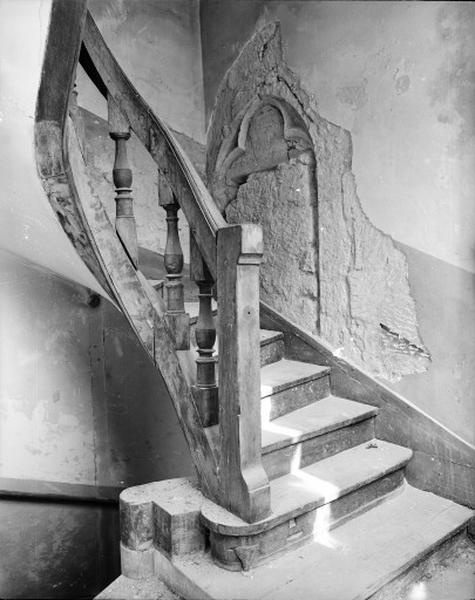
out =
column 364, row 305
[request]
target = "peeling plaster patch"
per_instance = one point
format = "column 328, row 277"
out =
column 362, row 278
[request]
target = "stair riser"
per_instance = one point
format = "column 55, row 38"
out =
column 282, row 461
column 291, row 399
column 293, row 532
column 272, row 352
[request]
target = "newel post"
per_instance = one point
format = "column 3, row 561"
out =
column 243, row 481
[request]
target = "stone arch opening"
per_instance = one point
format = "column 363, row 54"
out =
column 269, row 173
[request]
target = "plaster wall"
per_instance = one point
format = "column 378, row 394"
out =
column 80, row 404
column 28, row 226
column 398, row 76
column 158, row 46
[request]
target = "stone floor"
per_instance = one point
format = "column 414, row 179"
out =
column 448, row 575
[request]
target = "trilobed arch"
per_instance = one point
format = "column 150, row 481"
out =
column 266, row 169
column 236, row 159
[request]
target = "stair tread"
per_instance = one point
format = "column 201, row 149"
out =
column 316, row 485
column 285, row 373
column 155, row 282
column 268, row 336
column 318, row 418
column 351, row 562
column 327, row 479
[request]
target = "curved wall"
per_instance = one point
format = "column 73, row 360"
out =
column 28, row 226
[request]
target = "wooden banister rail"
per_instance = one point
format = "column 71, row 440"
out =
column 224, row 256
column 195, row 201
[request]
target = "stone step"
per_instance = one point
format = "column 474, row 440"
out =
column 288, row 385
column 309, row 501
column 352, row 562
column 125, row 588
column 272, row 342
column 272, row 346
column 315, row 432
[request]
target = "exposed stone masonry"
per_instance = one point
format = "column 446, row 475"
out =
column 272, row 159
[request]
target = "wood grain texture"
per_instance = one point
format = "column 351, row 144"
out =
column 198, row 206
column 57, row 80
column 206, row 389
column 244, row 483
column 443, row 463
column 82, row 215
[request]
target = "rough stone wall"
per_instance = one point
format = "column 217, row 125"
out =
column 282, row 201
column 366, row 311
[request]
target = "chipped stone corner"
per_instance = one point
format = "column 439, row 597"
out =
column 355, row 293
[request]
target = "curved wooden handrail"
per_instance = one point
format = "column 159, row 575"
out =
column 63, row 175
column 232, row 254
column 232, row 473
column 199, row 208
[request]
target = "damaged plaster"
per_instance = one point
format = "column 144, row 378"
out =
column 326, row 267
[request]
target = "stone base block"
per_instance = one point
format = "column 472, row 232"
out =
column 164, row 515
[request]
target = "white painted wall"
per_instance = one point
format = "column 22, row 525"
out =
column 28, row 226
column 158, row 46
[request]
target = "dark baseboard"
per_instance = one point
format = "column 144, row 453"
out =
column 57, row 491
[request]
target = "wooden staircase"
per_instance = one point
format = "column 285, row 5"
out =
column 298, row 485
column 320, row 454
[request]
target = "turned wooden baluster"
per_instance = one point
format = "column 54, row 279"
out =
column 125, row 226
column 178, row 319
column 243, row 481
column 205, row 390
